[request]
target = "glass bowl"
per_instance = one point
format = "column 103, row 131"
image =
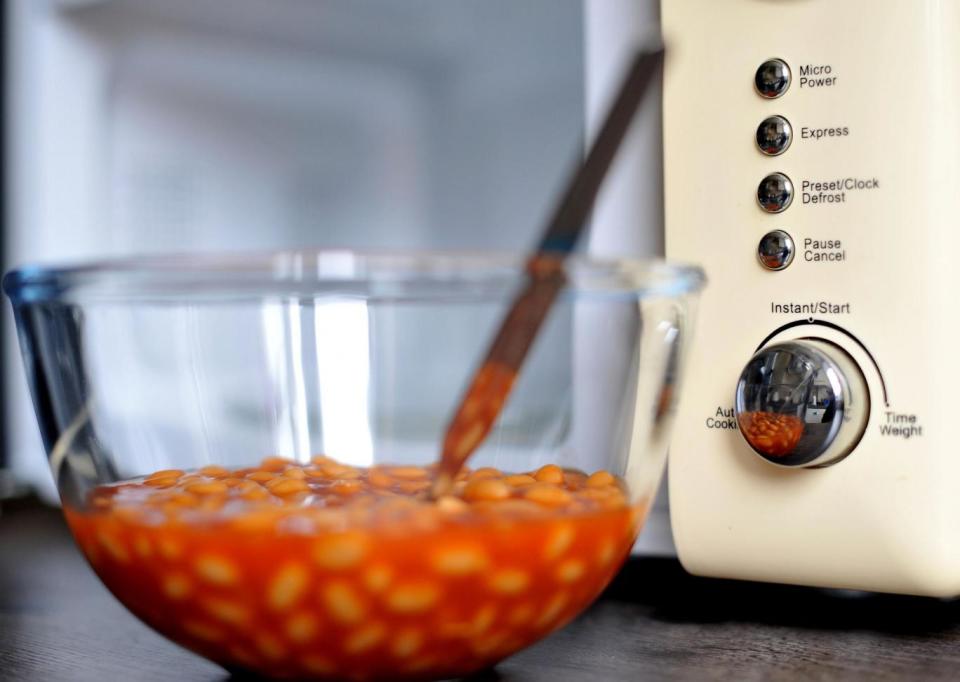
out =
column 243, row 447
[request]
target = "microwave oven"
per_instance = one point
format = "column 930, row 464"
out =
column 780, row 152
column 812, row 445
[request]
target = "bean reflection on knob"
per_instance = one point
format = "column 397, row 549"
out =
column 774, row 435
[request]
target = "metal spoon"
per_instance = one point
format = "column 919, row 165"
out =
column 491, row 384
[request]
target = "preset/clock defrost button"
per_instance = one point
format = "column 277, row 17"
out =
column 775, row 193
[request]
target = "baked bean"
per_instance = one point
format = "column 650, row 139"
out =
column 341, row 551
column 518, row 508
column 509, row 581
column 214, row 471
column 520, row 615
column 519, row 480
column 452, row 505
column 256, row 520
column 142, row 546
column 485, row 646
column 485, row 489
column 323, row 569
column 270, row 646
column 600, row 479
column 380, row 479
column 243, row 656
column 606, row 552
column 421, row 664
column 486, row 472
column 412, row 597
column 570, row 571
column 377, row 578
column 287, row 486
column 365, row 638
column 169, row 548
column 226, row 611
column 318, row 665
column 552, row 610
column 483, row 619
column 165, row 473
column 413, row 487
column 287, row 587
column 176, row 586
column 204, row 631
column 559, row 540
column 114, row 546
column 343, row 603
column 347, row 487
column 247, row 486
column 161, row 481
column 301, row 627
column 212, row 488
column 547, row 495
column 406, row 643
column 276, row 464
column 549, row 473
column 341, row 471
column 409, row 473
column 462, row 560
column 216, row 570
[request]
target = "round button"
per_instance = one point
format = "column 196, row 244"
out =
column 802, row 403
column 772, row 78
column 775, row 250
column 775, row 193
column 774, row 135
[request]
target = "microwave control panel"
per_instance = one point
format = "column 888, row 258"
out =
column 812, row 159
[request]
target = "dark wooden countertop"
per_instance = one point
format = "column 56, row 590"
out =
column 654, row 623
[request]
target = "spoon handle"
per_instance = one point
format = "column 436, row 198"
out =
column 490, row 386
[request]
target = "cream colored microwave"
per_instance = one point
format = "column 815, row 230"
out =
column 811, row 155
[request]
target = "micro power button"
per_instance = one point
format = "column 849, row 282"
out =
column 772, row 78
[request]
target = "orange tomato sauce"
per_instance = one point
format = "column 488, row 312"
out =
column 327, row 571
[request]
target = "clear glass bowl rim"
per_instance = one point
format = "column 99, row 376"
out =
column 314, row 270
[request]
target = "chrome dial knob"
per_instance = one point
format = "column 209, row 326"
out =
column 802, row 403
